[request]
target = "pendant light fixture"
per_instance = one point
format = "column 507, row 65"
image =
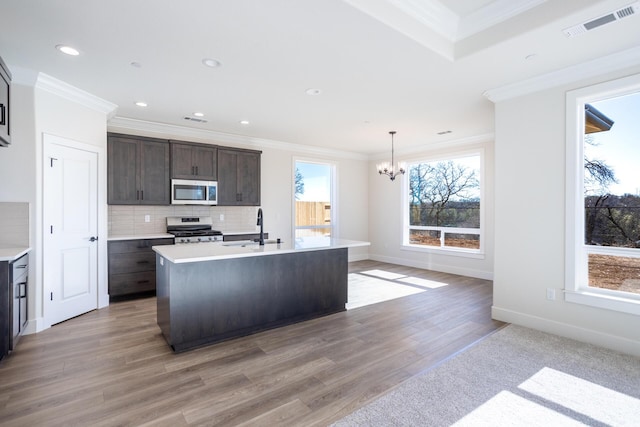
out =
column 391, row 170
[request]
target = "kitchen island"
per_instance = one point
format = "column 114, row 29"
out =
column 210, row 292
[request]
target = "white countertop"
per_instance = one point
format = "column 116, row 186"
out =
column 182, row 253
column 12, row 253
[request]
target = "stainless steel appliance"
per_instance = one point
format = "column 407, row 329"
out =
column 191, row 192
column 193, row 229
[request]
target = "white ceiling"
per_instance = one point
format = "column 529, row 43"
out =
column 416, row 66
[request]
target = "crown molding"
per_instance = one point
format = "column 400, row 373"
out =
column 493, row 14
column 23, row 76
column 432, row 14
column 163, row 130
column 72, row 93
column 617, row 61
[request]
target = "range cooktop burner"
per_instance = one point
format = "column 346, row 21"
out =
column 193, row 229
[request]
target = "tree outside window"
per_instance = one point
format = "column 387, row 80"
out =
column 444, row 204
column 611, row 188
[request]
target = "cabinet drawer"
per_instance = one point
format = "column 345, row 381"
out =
column 132, row 262
column 124, row 284
column 142, row 245
column 20, row 267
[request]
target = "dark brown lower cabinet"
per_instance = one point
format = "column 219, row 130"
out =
column 14, row 282
column 5, row 319
column 132, row 266
column 204, row 302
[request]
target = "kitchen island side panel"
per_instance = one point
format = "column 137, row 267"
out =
column 211, row 301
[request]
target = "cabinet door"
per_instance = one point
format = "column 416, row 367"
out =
column 5, row 83
column 238, row 178
column 205, row 161
column 122, row 171
column 181, row 161
column 194, row 161
column 227, row 178
column 248, row 178
column 5, row 309
column 24, row 291
column 155, row 178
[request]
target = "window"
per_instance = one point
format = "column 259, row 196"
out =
column 314, row 199
column 603, row 210
column 443, row 209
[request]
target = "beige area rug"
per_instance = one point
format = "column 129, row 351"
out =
column 515, row 377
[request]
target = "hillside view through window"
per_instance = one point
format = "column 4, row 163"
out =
column 612, row 193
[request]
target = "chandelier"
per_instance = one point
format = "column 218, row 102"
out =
column 390, row 169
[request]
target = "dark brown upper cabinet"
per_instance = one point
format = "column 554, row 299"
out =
column 5, row 86
column 138, row 170
column 238, row 177
column 194, row 161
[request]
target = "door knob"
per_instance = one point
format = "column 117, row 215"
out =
column 93, row 238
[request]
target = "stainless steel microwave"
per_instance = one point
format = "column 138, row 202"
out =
column 192, row 192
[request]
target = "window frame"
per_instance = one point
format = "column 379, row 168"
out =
column 444, row 250
column 333, row 196
column 576, row 287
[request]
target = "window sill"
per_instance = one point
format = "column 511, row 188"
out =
column 603, row 300
column 464, row 253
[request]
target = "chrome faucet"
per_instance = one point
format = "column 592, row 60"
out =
column 260, row 223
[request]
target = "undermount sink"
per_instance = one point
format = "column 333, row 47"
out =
column 249, row 243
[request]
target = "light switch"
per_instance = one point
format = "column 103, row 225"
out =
column 147, row 218
column 221, row 217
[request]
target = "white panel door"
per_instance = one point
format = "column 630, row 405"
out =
column 70, row 193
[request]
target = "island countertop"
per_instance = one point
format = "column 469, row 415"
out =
column 11, row 253
column 184, row 253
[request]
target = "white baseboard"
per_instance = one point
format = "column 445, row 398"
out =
column 479, row 274
column 360, row 257
column 35, row 325
column 614, row 342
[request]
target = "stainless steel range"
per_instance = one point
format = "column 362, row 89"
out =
column 193, row 229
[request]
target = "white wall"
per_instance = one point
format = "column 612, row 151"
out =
column 18, row 169
column 38, row 106
column 385, row 217
column 530, row 224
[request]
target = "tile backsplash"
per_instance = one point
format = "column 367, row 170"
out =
column 128, row 220
column 14, row 223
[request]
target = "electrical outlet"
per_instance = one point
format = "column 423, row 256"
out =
column 221, row 217
column 551, row 294
column 147, row 218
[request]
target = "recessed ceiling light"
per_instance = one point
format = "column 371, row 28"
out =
column 141, row 104
column 313, row 91
column 244, row 122
column 68, row 50
column 213, row 63
column 197, row 114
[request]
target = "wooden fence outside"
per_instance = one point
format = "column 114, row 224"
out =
column 313, row 213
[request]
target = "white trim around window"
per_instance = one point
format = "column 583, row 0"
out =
column 576, row 252
column 445, row 250
column 333, row 227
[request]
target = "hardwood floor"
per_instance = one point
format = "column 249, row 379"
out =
column 113, row 367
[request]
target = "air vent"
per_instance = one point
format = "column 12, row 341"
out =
column 632, row 9
column 195, row 119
